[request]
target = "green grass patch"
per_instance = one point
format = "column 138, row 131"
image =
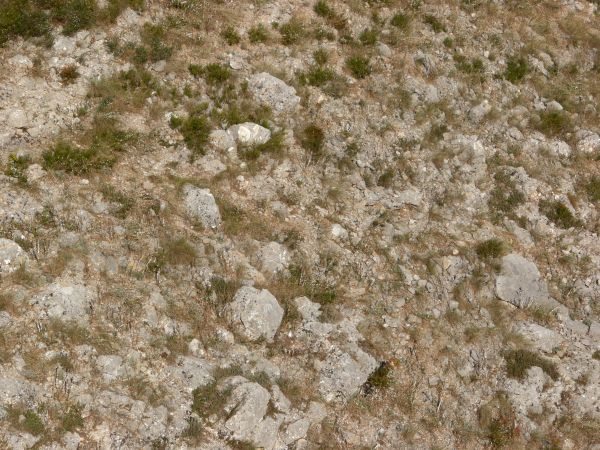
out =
column 516, row 69
column 490, row 249
column 359, row 66
column 519, row 361
column 559, row 214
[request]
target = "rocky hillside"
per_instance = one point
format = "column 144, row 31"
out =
column 275, row 224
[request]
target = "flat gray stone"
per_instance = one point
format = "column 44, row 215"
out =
column 255, row 314
column 201, row 204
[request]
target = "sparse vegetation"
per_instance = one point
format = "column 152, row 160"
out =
column 312, row 139
column 231, row 36
column 258, row 34
column 490, row 249
column 558, row 213
column 68, row 74
column 292, row 32
column 516, row 69
column 359, row 66
column 519, row 361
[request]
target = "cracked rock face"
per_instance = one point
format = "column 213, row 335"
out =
column 255, row 314
column 520, row 284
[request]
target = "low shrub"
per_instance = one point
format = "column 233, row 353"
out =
column 359, row 66
column 519, row 361
column 516, row 69
column 558, row 213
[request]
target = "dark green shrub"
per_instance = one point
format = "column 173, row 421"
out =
column 359, row 66
column 195, row 70
column 558, row 213
column 72, row 419
column 596, row 355
column 519, row 361
column 448, row 42
column 291, row 32
column 317, row 76
column 33, row 423
column 320, row 56
column 386, row 179
column 379, row 379
column 471, row 67
column 195, row 130
column 312, row 139
column 16, row 167
column 323, row 9
column 369, row 36
column 592, row 188
column 19, row 18
column 74, row 15
column 231, row 36
column 216, row 73
column 63, row 156
column 273, row 147
column 554, row 123
column 258, row 34
column 505, row 197
column 516, row 69
column 490, row 249
column 400, row 20
column 434, row 23
column 154, row 36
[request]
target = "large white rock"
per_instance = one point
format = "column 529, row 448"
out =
column 249, row 133
column 201, row 204
column 273, row 92
column 11, row 256
column 255, row 314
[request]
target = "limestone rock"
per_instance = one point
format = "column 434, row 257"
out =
column 11, row 256
column 255, row 314
column 65, row 300
column 273, row 92
column 249, row 133
column 274, row 258
column 201, row 204
column 519, row 283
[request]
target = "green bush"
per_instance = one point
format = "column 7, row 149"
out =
column 258, row 34
column 596, row 355
column 63, row 156
column 519, row 361
column 554, row 123
column 471, row 67
column 216, row 73
column 274, row 147
column 317, row 76
column 400, row 20
column 292, row 32
column 72, row 419
column 490, row 249
column 312, row 139
column 33, row 423
column 154, row 36
column 592, row 188
column 320, row 56
column 231, row 36
column 369, row 36
column 195, row 130
column 75, row 15
column 16, row 167
column 359, row 66
column 434, row 23
column 516, row 69
column 20, row 18
column 323, row 9
column 559, row 214
column 505, row 197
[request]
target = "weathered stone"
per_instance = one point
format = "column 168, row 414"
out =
column 274, row 258
column 271, row 91
column 11, row 256
column 249, row 133
column 255, row 314
column 519, row 283
column 341, row 375
column 201, row 204
column 65, row 300
column 110, row 366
